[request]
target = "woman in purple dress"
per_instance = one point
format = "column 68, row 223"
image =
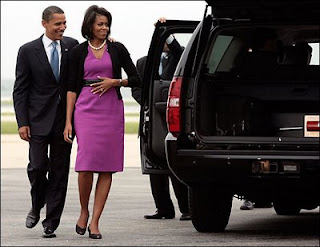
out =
column 95, row 110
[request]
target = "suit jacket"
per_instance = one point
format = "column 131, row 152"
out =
column 120, row 58
column 36, row 92
column 171, row 60
column 136, row 91
column 169, row 65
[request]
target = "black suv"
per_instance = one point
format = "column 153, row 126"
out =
column 241, row 114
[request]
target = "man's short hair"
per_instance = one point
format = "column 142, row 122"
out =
column 49, row 11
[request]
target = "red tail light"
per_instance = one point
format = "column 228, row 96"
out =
column 173, row 106
column 313, row 126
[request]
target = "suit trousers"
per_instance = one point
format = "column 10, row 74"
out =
column 161, row 193
column 48, row 171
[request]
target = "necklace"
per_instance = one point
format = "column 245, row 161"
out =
column 97, row 48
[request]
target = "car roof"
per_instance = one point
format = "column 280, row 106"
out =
column 265, row 9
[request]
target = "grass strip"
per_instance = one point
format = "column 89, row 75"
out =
column 9, row 128
column 7, row 114
column 129, row 114
column 12, row 128
column 8, row 102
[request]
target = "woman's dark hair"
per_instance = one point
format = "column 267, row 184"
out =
column 49, row 11
column 90, row 17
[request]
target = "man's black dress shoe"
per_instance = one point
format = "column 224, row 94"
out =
column 185, row 216
column 48, row 233
column 94, row 235
column 263, row 205
column 32, row 219
column 158, row 215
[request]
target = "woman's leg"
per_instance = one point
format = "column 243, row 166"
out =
column 85, row 180
column 101, row 195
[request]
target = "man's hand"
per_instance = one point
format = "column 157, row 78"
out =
column 112, row 40
column 161, row 19
column 24, row 133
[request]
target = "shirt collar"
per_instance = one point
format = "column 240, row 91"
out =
column 47, row 42
column 165, row 54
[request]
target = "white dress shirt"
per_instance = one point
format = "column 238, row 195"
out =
column 47, row 43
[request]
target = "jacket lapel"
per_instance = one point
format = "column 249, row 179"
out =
column 42, row 57
column 64, row 53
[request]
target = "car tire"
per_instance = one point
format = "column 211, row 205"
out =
column 286, row 208
column 210, row 207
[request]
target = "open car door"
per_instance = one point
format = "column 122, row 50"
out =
column 153, row 126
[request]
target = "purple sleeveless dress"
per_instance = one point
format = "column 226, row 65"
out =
column 99, row 121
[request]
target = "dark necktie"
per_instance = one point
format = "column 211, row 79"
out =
column 55, row 60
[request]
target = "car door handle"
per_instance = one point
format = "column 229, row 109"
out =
column 160, row 106
column 300, row 89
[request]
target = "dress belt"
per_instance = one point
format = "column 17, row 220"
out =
column 87, row 83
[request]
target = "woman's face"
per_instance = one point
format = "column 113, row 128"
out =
column 100, row 28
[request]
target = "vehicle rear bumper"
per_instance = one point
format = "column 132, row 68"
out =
column 236, row 170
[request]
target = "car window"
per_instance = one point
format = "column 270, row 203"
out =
column 183, row 38
column 241, row 49
column 315, row 54
column 220, row 46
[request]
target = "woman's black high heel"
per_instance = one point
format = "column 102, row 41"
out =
column 94, row 235
column 80, row 230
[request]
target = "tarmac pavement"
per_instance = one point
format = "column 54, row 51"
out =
column 122, row 222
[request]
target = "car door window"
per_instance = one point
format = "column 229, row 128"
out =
column 315, row 54
column 159, row 100
column 220, row 46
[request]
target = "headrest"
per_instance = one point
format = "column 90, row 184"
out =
column 300, row 54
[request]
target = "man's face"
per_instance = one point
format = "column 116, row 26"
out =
column 55, row 26
column 165, row 47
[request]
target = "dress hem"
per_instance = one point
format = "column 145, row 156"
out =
column 97, row 171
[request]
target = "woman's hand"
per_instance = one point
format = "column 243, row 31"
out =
column 103, row 86
column 67, row 133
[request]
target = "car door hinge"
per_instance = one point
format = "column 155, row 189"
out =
column 190, row 103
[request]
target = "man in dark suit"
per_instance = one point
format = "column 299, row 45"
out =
column 39, row 97
column 160, row 182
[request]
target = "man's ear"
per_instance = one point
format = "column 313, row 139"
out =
column 44, row 23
